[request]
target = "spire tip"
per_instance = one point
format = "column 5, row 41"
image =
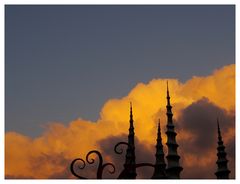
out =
column 218, row 124
column 219, row 131
column 131, row 115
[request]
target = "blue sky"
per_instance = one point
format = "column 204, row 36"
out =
column 64, row 62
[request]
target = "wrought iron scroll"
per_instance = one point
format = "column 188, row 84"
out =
column 102, row 166
column 89, row 160
column 82, row 167
column 121, row 150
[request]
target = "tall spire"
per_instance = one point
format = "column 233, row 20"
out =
column 129, row 171
column 160, row 166
column 173, row 168
column 222, row 170
column 168, row 97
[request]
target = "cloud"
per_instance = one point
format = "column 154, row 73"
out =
column 200, row 121
column 60, row 144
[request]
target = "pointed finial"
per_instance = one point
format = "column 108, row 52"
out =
column 167, row 89
column 131, row 107
column 159, row 124
column 159, row 129
column 131, row 115
column 219, row 131
column 168, row 96
column 167, row 84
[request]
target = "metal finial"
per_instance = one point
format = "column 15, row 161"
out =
column 131, row 108
column 219, row 131
column 167, row 85
column 131, row 115
column 159, row 124
column 167, row 90
column 159, row 130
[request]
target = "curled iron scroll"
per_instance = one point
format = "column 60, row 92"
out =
column 82, row 167
column 121, row 150
column 89, row 160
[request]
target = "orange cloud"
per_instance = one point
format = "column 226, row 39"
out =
column 59, row 144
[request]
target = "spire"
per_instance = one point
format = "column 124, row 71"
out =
column 219, row 131
column 222, row 170
column 129, row 171
column 169, row 107
column 131, row 118
column 173, row 168
column 160, row 166
column 168, row 97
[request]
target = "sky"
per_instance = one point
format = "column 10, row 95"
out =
column 64, row 62
column 71, row 71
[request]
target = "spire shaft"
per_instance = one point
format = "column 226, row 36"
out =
column 173, row 167
column 168, row 96
column 129, row 171
column 222, row 168
column 219, row 131
column 160, row 166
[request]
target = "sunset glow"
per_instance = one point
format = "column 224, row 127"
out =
column 51, row 153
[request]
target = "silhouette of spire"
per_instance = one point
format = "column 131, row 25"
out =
column 160, row 166
column 173, row 168
column 222, row 170
column 168, row 97
column 131, row 119
column 129, row 171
